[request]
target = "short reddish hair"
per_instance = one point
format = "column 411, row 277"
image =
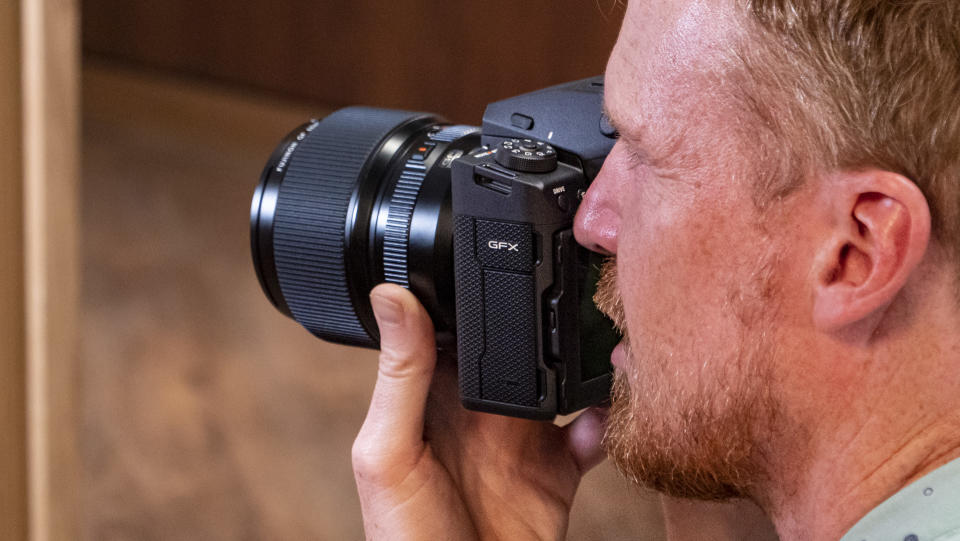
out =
column 859, row 83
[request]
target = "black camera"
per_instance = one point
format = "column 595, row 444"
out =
column 476, row 222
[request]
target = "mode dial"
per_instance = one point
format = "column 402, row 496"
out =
column 527, row 156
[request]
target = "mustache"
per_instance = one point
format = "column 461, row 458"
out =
column 607, row 296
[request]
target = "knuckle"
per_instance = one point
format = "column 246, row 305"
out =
column 372, row 464
column 400, row 364
column 360, row 458
column 392, row 362
column 364, row 458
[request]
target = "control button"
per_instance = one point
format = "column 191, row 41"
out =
column 505, row 246
column 563, row 202
column 521, row 121
column 527, row 156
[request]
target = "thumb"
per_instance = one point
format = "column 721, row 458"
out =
column 394, row 425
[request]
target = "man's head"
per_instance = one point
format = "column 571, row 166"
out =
column 769, row 206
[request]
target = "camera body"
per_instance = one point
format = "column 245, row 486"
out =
column 478, row 227
column 521, row 278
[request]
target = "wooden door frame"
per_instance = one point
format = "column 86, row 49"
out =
column 40, row 122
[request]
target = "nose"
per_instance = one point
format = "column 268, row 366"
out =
column 598, row 218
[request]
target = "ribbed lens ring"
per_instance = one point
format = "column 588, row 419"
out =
column 396, row 238
column 315, row 208
column 403, row 200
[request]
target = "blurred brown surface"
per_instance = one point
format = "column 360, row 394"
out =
column 433, row 55
column 13, row 413
column 206, row 413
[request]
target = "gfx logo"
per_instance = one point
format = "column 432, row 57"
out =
column 503, row 245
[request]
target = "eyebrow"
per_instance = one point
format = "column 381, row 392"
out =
column 638, row 139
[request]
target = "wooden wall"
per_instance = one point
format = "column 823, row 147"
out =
column 433, row 55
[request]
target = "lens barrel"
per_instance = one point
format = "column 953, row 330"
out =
column 350, row 201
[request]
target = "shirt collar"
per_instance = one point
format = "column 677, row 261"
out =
column 926, row 510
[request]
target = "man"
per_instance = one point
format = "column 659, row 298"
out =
column 782, row 213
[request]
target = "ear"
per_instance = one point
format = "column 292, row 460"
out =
column 879, row 232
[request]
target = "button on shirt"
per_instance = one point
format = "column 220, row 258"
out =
column 926, row 510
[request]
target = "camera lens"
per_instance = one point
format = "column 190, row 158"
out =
column 358, row 198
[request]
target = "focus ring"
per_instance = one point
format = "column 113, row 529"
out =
column 313, row 202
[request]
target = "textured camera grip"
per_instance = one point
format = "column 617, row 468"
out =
column 508, row 368
column 469, row 301
column 496, row 326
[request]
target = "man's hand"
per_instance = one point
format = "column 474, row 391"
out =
column 426, row 468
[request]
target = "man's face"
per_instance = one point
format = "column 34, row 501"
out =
column 696, row 270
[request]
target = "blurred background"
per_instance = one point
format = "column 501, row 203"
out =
column 205, row 413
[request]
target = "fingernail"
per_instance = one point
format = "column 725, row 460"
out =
column 386, row 310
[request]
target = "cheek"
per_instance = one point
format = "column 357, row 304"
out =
column 680, row 268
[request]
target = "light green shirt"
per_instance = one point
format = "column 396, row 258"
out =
column 926, row 510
